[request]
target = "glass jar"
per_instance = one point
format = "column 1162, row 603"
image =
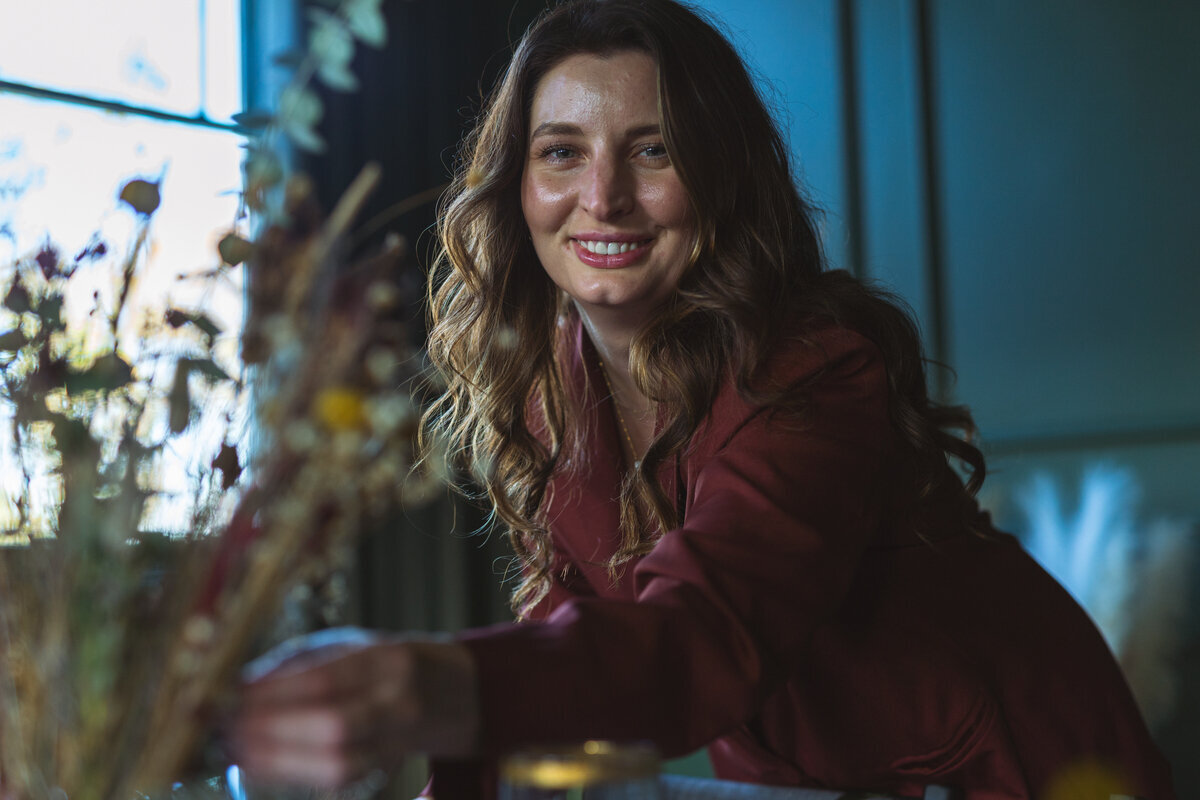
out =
column 593, row 770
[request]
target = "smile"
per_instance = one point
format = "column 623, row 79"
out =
column 610, row 248
column 611, row 255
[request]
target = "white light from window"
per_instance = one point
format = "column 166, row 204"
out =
column 61, row 169
column 223, row 59
column 139, row 52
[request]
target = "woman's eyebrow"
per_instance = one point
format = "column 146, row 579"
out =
column 644, row 130
column 552, row 128
column 555, row 129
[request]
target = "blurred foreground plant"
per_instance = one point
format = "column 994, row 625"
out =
column 119, row 642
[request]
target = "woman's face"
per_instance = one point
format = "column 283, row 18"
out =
column 609, row 218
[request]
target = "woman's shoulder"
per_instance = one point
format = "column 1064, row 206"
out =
column 810, row 371
column 818, row 350
column 810, row 357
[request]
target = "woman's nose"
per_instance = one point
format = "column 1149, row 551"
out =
column 608, row 189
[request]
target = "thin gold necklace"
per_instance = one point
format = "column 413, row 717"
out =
column 637, row 462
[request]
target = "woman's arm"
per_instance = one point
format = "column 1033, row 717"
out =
column 778, row 518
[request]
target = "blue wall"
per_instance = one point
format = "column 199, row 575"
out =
column 1027, row 175
column 794, row 49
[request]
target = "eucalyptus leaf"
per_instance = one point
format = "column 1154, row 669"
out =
column 17, row 300
column 143, row 196
column 12, row 340
column 179, row 401
column 289, row 58
column 263, row 169
column 107, row 373
column 366, row 21
column 206, row 367
column 331, row 45
column 227, row 462
column 254, row 120
column 177, row 319
column 234, row 249
column 50, row 312
column 47, row 260
column 92, row 250
column 206, row 325
column 72, row 437
column 299, row 112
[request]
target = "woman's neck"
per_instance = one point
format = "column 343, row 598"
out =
column 611, row 338
column 636, row 412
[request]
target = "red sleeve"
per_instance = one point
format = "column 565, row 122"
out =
column 777, row 518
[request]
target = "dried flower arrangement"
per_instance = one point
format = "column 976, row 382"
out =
column 118, row 642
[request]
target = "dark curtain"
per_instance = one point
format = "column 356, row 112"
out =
column 417, row 97
column 423, row 569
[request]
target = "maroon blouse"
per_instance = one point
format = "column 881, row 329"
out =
column 794, row 626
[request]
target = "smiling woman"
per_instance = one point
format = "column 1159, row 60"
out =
column 730, row 495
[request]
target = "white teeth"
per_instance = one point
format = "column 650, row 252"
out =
column 608, row 248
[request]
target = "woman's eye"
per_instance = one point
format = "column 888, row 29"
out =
column 557, row 152
column 655, row 152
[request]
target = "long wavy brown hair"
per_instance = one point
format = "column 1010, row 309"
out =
column 497, row 332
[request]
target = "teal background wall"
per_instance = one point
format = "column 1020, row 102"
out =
column 1024, row 173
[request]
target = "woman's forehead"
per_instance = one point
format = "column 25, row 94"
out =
column 586, row 86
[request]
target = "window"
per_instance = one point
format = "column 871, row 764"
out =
column 95, row 94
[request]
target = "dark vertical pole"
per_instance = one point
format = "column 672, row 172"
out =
column 937, row 343
column 847, row 32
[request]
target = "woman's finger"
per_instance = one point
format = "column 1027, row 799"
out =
column 327, row 675
column 301, row 652
column 288, row 763
column 318, row 745
column 328, row 727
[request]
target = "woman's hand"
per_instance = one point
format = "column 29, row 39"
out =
column 332, row 708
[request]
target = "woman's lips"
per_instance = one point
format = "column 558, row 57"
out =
column 609, row 254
